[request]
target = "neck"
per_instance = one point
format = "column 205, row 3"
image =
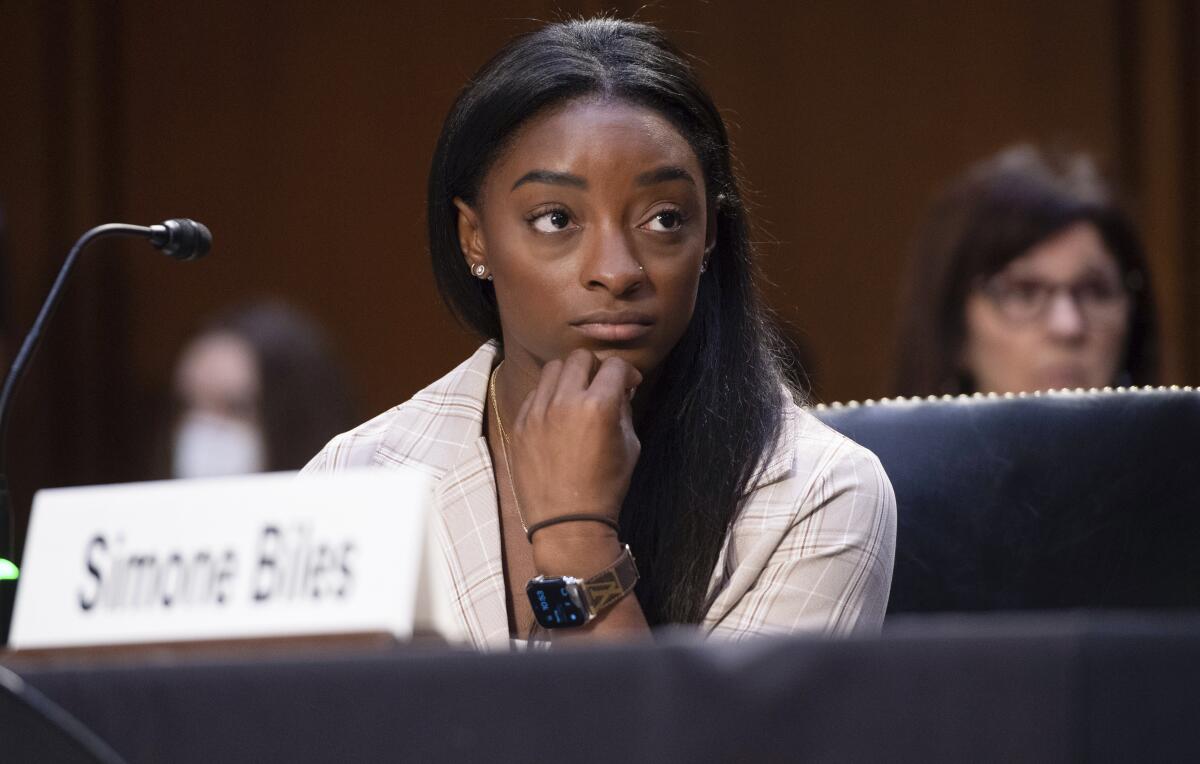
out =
column 516, row 378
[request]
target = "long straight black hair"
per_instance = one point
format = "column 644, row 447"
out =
column 715, row 412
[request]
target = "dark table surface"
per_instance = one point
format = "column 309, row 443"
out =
column 1032, row 687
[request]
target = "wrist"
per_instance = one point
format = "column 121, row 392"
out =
column 574, row 601
column 578, row 549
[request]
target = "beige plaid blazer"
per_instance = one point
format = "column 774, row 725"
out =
column 810, row 551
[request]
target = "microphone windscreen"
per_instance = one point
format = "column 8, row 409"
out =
column 182, row 238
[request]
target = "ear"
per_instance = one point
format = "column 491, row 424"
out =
column 470, row 234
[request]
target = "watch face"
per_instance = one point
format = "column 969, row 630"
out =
column 554, row 607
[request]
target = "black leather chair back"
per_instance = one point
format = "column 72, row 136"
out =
column 1053, row 500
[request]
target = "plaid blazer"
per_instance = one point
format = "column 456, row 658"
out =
column 810, row 550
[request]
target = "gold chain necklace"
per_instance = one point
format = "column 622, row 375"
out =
column 504, row 447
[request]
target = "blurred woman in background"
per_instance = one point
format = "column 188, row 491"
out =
column 258, row 391
column 1027, row 276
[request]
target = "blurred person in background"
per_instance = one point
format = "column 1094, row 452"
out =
column 258, row 390
column 1027, row 276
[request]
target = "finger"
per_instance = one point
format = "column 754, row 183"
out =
column 537, row 401
column 523, row 412
column 627, row 407
column 577, row 371
column 614, row 379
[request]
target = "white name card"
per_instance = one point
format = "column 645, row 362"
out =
column 225, row 558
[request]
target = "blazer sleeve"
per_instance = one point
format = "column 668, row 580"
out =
column 356, row 448
column 818, row 559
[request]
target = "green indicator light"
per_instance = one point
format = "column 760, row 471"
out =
column 8, row 570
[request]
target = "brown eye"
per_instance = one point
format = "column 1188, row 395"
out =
column 670, row 220
column 551, row 222
column 666, row 221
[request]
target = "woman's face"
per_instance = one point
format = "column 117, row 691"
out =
column 594, row 225
column 219, row 429
column 1058, row 316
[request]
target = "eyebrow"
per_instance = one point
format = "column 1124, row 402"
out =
column 551, row 177
column 664, row 175
column 660, row 175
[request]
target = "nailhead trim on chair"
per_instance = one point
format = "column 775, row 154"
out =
column 982, row 396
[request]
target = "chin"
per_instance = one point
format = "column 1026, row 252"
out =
column 1066, row 381
column 643, row 359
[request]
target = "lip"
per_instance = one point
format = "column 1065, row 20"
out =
column 614, row 326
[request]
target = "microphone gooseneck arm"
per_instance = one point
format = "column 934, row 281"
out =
column 180, row 238
column 29, row 346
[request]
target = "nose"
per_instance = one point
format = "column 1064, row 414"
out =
column 610, row 263
column 1064, row 318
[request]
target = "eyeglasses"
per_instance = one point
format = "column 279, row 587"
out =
column 1022, row 300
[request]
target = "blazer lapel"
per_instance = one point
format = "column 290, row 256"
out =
column 469, row 532
column 441, row 432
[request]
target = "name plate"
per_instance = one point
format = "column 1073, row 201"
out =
column 227, row 558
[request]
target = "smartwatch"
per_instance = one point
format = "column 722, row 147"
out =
column 566, row 602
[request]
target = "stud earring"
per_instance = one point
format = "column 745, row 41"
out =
column 479, row 270
column 703, row 266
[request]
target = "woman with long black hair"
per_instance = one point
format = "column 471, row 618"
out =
column 625, row 428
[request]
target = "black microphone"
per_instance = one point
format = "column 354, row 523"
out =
column 180, row 238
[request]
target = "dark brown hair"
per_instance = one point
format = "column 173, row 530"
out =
column 990, row 216
column 304, row 397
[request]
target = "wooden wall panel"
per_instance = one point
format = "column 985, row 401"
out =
column 301, row 134
column 304, row 145
column 1190, row 196
column 70, row 422
column 1161, row 177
